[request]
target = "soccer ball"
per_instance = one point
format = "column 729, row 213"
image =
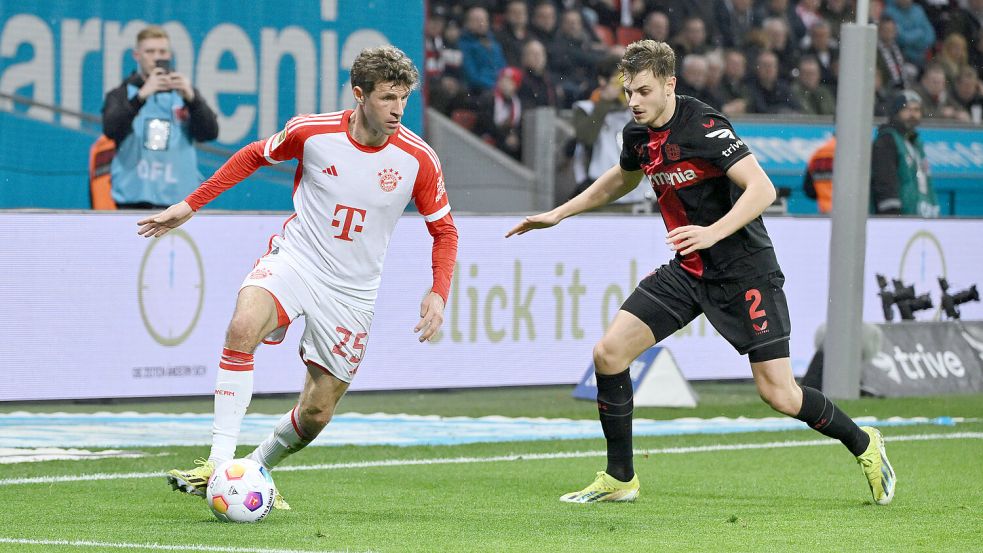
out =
column 240, row 490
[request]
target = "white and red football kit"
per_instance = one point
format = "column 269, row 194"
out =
column 327, row 263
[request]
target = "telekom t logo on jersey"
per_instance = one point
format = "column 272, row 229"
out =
column 347, row 220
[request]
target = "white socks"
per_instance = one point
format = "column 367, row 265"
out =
column 285, row 440
column 233, row 392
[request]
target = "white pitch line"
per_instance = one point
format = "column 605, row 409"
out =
column 155, row 546
column 500, row 458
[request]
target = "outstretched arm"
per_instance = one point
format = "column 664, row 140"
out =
column 244, row 163
column 613, row 184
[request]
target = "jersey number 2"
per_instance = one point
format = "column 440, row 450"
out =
column 754, row 296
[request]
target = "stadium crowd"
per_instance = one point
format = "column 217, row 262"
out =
column 488, row 60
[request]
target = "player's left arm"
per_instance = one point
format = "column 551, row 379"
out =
column 759, row 193
column 430, row 197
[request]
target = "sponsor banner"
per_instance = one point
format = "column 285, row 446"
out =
column 93, row 310
column 785, row 148
column 955, row 157
column 926, row 358
column 255, row 67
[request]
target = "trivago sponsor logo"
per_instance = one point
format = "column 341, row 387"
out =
column 919, row 364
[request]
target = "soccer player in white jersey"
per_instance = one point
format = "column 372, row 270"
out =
column 357, row 171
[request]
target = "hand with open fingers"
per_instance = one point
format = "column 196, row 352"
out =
column 687, row 239
column 532, row 222
column 158, row 225
column 431, row 316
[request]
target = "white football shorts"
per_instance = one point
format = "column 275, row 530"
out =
column 335, row 334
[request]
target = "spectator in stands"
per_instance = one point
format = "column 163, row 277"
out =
column 953, row 56
column 735, row 92
column 543, row 26
column 656, row 27
column 900, row 180
column 937, row 12
column 693, row 81
column 882, row 95
column 500, row 113
column 155, row 116
column 769, row 92
column 779, row 42
column 433, row 44
column 836, row 13
column 676, row 10
column 603, row 12
column 597, row 122
column 538, row 87
column 715, row 72
column 818, row 180
column 573, row 56
column 976, row 54
column 808, row 13
column 786, row 12
column 445, row 92
column 967, row 94
column 691, row 39
column 934, row 92
column 822, row 48
column 734, row 19
column 890, row 59
column 915, row 33
column 515, row 31
column 483, row 58
column 966, row 21
column 814, row 97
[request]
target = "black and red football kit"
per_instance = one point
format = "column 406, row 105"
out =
column 737, row 282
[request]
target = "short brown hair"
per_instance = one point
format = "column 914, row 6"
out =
column 153, row 31
column 648, row 55
column 383, row 64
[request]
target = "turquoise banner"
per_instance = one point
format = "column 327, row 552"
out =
column 256, row 64
column 955, row 157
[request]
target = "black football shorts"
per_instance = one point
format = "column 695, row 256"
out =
column 751, row 314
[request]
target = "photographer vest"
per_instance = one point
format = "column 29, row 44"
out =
column 157, row 162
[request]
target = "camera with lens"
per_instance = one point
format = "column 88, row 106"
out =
column 950, row 302
column 887, row 298
column 908, row 302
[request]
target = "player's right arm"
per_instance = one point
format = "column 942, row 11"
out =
column 278, row 148
column 613, row 184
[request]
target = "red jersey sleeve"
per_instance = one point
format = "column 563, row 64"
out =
column 430, row 196
column 280, row 147
column 287, row 144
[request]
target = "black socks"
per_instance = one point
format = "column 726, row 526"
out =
column 615, row 405
column 823, row 415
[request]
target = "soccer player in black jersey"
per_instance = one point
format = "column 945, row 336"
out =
column 711, row 193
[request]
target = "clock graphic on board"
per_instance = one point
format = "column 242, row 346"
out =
column 171, row 287
column 922, row 262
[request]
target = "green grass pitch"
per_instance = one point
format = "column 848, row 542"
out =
column 803, row 498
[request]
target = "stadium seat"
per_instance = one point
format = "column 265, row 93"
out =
column 465, row 118
column 627, row 35
column 604, row 33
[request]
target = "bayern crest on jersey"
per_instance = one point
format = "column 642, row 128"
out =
column 389, row 179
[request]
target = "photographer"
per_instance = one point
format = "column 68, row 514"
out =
column 154, row 117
